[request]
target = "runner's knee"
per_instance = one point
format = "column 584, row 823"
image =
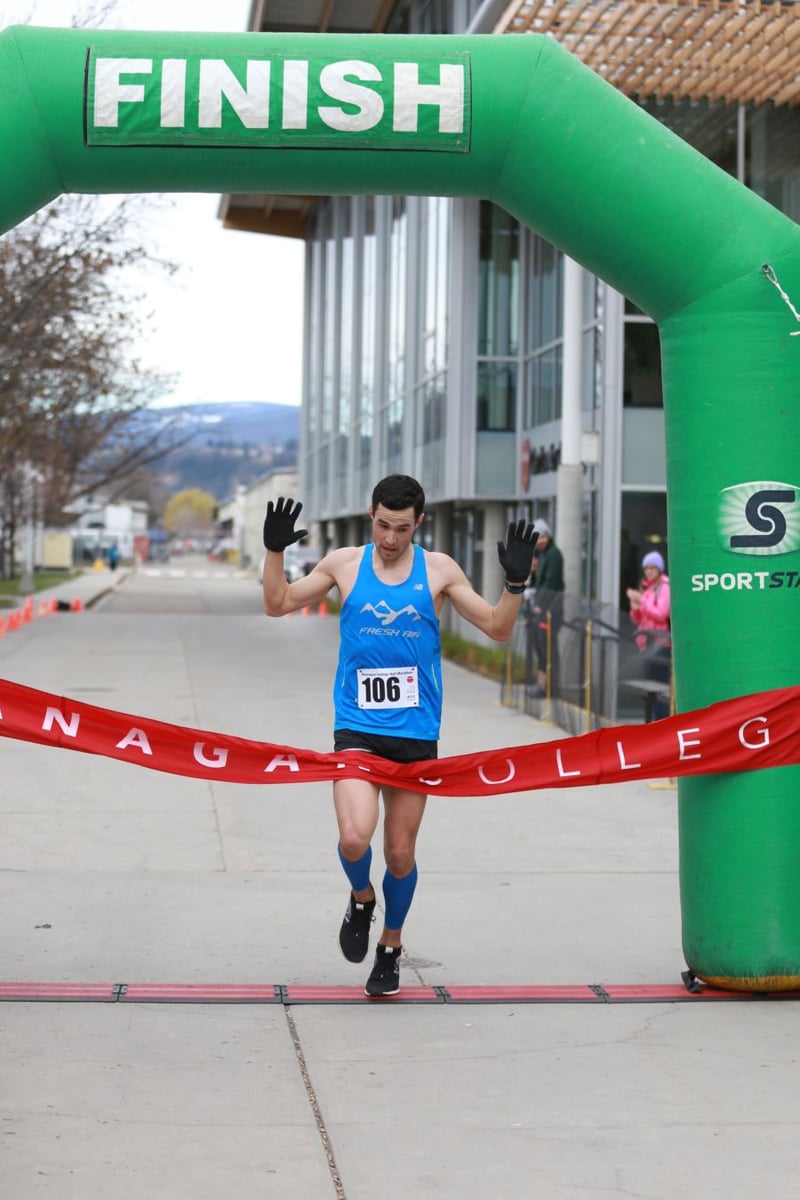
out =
column 398, row 855
column 353, row 844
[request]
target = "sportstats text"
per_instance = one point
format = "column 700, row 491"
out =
column 744, row 581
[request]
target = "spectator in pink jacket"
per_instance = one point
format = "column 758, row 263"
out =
column 650, row 612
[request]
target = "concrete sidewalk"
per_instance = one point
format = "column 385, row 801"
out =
column 82, row 591
column 114, row 875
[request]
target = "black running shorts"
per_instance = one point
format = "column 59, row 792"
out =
column 396, row 749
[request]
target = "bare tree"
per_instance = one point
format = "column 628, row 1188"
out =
column 70, row 387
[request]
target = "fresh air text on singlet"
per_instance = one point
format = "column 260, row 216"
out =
column 389, row 677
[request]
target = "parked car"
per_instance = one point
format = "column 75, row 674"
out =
column 298, row 561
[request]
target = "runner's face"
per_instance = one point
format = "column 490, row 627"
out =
column 392, row 531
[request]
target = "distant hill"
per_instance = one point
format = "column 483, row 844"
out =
column 229, row 444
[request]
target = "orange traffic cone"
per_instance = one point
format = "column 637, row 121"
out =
column 323, row 608
column 2, row 627
column 306, row 611
column 76, row 604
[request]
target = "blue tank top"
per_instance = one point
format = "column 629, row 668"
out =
column 389, row 677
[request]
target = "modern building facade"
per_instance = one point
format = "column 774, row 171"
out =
column 240, row 519
column 446, row 340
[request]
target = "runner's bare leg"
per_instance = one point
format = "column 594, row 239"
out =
column 403, row 812
column 356, row 804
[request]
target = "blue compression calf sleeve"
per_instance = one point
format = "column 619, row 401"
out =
column 357, row 872
column 397, row 895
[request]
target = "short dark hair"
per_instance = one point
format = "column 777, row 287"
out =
column 397, row 492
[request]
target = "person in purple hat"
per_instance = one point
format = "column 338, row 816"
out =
column 650, row 612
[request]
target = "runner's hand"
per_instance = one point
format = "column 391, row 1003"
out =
column 279, row 530
column 516, row 554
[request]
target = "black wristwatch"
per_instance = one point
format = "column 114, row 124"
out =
column 516, row 589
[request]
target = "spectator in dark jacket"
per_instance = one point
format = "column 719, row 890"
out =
column 547, row 607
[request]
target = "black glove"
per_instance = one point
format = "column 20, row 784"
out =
column 279, row 530
column 516, row 555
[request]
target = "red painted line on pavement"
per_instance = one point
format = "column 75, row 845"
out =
column 295, row 994
column 541, row 993
column 630, row 993
column 58, row 991
column 201, row 993
column 262, row 993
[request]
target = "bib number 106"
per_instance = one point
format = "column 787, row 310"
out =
column 388, row 687
column 378, row 690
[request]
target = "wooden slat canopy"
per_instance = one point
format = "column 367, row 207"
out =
column 745, row 52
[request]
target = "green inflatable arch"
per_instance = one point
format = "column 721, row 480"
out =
column 521, row 122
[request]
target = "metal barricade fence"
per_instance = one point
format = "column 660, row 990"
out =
column 586, row 665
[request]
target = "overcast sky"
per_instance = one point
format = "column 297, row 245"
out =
column 216, row 325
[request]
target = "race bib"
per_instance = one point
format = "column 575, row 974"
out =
column 388, row 687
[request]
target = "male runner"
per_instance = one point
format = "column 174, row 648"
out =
column 388, row 689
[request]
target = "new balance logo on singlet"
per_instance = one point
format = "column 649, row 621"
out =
column 387, row 615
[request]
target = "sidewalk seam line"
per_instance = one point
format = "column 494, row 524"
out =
column 312, row 1099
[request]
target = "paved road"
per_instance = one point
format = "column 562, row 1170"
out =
column 190, row 584
column 114, row 875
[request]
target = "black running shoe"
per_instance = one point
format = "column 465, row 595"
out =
column 354, row 934
column 384, row 979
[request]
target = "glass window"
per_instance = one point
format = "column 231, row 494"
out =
column 397, row 280
column 341, row 456
column 543, row 402
column 426, row 534
column 330, row 331
column 397, row 331
column 467, row 534
column 432, row 413
column 443, row 209
column 549, row 408
column 545, row 296
column 643, row 459
column 544, row 330
column 773, row 156
column 314, row 350
column 434, row 273
column 710, row 127
column 498, row 294
column 424, row 16
column 533, row 387
column 394, row 437
column 369, row 308
column 346, row 322
column 497, row 396
column 642, row 379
